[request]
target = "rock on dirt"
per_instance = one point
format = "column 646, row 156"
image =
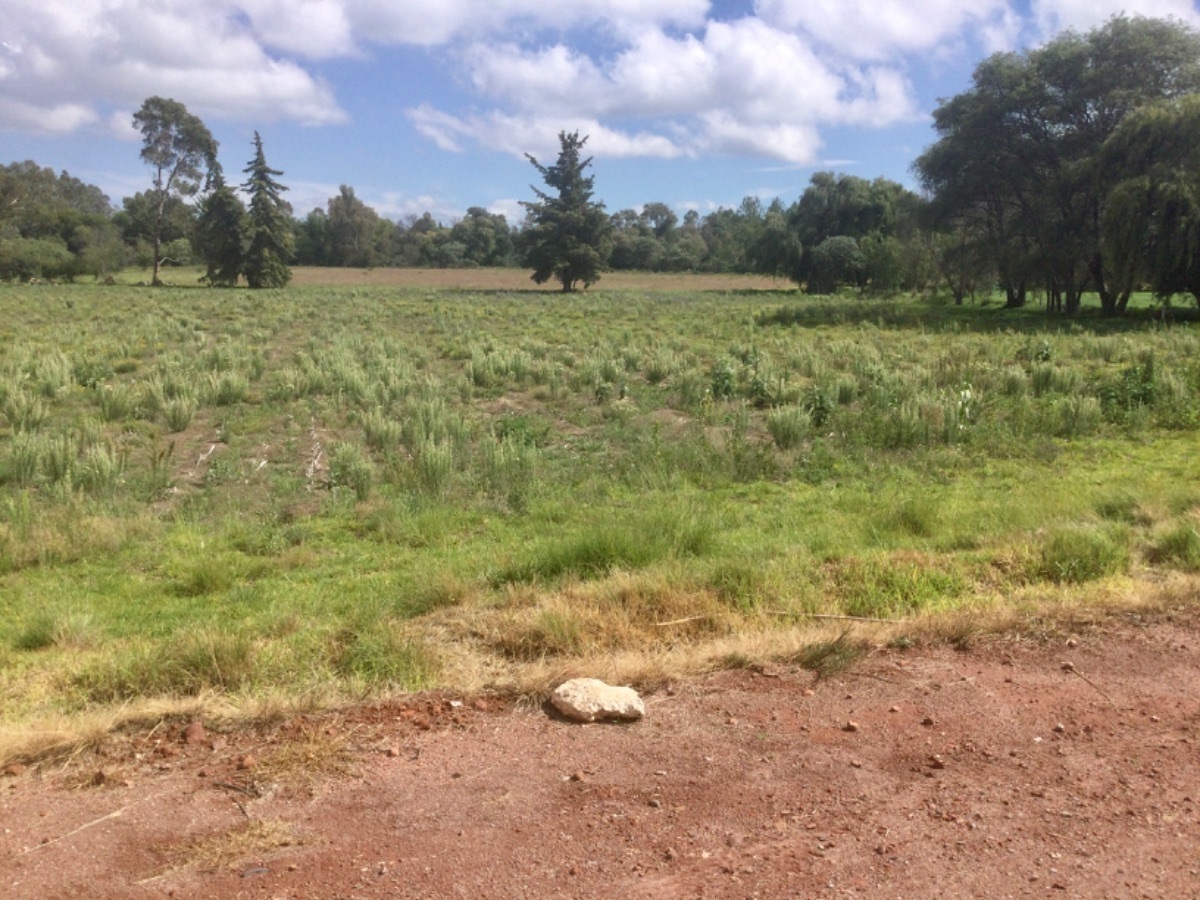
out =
column 591, row 700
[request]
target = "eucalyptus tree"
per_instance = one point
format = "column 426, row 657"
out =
column 179, row 149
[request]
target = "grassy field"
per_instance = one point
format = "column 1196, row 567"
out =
column 343, row 489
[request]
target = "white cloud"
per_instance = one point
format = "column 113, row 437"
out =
column 511, row 209
column 64, row 66
column 1052, row 16
column 740, row 88
column 882, row 29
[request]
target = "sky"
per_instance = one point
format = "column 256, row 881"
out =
column 432, row 105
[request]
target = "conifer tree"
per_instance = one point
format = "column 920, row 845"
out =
column 270, row 231
column 567, row 232
column 220, row 232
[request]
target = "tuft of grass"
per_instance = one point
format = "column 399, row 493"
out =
column 377, row 653
column 789, row 426
column 609, row 545
column 350, row 468
column 221, row 851
column 828, row 658
column 1177, row 546
column 890, row 586
column 195, row 661
column 1076, row 553
column 59, row 628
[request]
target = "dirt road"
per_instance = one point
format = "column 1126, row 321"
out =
column 1064, row 766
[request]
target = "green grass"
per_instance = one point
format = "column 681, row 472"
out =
column 335, row 491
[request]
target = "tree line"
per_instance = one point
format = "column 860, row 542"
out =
column 1070, row 168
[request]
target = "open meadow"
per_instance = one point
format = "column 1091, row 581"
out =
column 369, row 483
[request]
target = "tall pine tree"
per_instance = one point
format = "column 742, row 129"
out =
column 270, row 230
column 220, row 232
column 568, row 231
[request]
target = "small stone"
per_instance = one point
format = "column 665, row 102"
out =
column 855, row 764
column 808, row 692
column 194, row 733
column 655, row 803
column 591, row 700
column 14, row 770
column 671, row 854
column 292, row 867
column 1071, row 642
column 1060, row 728
column 927, row 721
column 393, row 752
column 893, row 709
column 576, row 776
column 247, row 761
column 850, row 726
column 1068, row 666
column 936, row 762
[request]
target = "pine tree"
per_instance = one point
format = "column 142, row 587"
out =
column 220, row 232
column 567, row 234
column 270, row 230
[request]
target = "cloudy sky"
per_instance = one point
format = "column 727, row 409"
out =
column 431, row 104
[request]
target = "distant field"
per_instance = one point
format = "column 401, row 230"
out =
column 485, row 280
column 353, row 487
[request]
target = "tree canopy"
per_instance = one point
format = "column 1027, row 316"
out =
column 179, row 149
column 1016, row 164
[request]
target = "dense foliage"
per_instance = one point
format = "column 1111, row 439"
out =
column 566, row 234
column 1016, row 172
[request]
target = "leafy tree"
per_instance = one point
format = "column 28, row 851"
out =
column 177, row 147
column 269, row 229
column 1151, row 228
column 220, row 232
column 485, row 238
column 567, row 233
column 1017, row 156
column 357, row 235
column 836, row 261
column 54, row 226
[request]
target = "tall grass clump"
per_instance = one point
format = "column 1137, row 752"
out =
column 117, row 402
column 350, row 468
column 1076, row 553
column 434, row 467
column 198, row 659
column 789, row 426
column 375, row 651
column 632, row 544
column 1177, row 546
column 178, row 413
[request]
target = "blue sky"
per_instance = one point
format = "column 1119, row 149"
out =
column 430, row 105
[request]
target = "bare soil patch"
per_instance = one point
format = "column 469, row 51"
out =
column 1057, row 765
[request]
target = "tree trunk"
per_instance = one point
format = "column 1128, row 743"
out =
column 158, row 217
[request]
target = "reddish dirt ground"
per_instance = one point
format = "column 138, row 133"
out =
column 1017, row 767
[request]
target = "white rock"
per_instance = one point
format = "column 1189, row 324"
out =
column 589, row 699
